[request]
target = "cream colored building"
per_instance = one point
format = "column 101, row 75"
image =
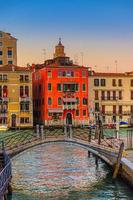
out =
column 111, row 96
column 8, row 49
column 16, row 96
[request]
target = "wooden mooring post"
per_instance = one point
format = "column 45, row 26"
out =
column 117, row 166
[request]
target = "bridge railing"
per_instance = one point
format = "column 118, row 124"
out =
column 6, row 169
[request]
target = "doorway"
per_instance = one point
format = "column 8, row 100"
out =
column 69, row 118
column 13, row 120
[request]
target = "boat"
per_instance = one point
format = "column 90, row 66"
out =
column 3, row 128
column 123, row 124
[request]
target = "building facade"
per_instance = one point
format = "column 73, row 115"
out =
column 60, row 91
column 111, row 96
column 8, row 49
column 16, row 97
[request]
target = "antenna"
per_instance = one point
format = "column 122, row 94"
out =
column 116, row 65
column 76, row 59
column 44, row 54
column 82, row 57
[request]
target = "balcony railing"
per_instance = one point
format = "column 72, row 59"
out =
column 24, row 80
column 70, row 107
column 6, row 99
column 111, row 98
column 24, row 99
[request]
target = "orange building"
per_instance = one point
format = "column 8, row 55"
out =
column 60, row 91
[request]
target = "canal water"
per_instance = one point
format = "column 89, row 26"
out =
column 60, row 171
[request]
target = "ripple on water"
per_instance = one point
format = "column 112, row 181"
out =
column 63, row 172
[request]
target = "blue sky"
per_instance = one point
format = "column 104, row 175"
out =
column 101, row 29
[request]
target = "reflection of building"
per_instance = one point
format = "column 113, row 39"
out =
column 15, row 96
column 60, row 91
column 112, row 94
column 8, row 49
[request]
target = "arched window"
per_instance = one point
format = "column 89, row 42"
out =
column 59, row 101
column 5, row 91
column 26, row 91
column 21, row 91
column 49, row 101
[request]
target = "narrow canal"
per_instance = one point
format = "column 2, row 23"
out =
column 63, row 172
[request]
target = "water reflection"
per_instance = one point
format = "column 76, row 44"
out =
column 63, row 172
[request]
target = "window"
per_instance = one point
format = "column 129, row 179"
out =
column 77, row 100
column 59, row 87
column 4, row 91
column 131, row 82
column 131, row 109
column 76, row 87
column 10, row 62
column 96, row 107
column 114, row 95
column 9, row 52
column 59, row 101
column 1, row 35
column 84, row 112
column 1, row 53
column 69, row 73
column 0, row 77
column 114, row 82
column 1, row 62
column 120, row 109
column 0, row 91
column 108, row 95
column 26, row 78
column 21, row 91
column 49, row 74
column 83, row 73
column 60, row 73
column 103, row 95
column 96, row 95
column 103, row 82
column 21, row 77
column 83, row 87
column 132, row 95
column 49, row 101
column 120, row 82
column 96, row 82
column 103, row 109
column 120, row 95
column 85, row 101
column 77, row 112
column 24, row 120
column 1, row 44
column 114, row 109
column 27, row 91
column 49, row 87
column 27, row 106
column 4, row 77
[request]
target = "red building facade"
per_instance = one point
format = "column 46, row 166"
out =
column 60, row 91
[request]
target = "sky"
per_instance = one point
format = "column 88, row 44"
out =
column 95, row 33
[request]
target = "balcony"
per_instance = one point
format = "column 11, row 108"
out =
column 3, row 113
column 70, row 107
column 24, row 99
column 4, row 99
column 111, row 98
column 24, row 80
column 71, row 99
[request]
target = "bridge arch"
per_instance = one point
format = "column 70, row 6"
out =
column 105, row 156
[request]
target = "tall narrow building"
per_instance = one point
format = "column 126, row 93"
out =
column 8, row 49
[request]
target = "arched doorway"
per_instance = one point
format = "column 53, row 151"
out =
column 69, row 118
column 13, row 120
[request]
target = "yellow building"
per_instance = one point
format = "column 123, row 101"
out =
column 111, row 95
column 16, row 96
column 8, row 49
